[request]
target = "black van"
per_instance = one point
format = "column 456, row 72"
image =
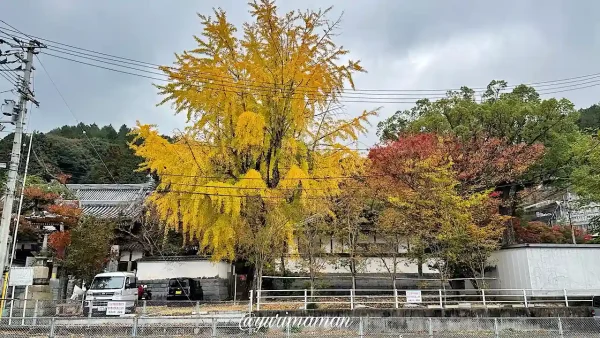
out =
column 596, row 306
column 185, row 289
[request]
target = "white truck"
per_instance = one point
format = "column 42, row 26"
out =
column 111, row 294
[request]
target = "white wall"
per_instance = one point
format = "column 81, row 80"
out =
column 334, row 245
column 135, row 255
column 151, row 270
column 370, row 265
column 512, row 269
column 548, row 267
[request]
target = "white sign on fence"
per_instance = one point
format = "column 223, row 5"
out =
column 20, row 276
column 115, row 308
column 413, row 296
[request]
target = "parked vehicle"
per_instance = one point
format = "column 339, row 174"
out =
column 185, row 289
column 596, row 306
column 147, row 293
column 111, row 289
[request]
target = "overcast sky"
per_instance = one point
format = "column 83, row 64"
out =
column 402, row 44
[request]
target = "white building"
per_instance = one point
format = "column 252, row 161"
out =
column 559, row 211
column 549, row 267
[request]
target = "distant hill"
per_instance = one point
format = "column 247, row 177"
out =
column 589, row 119
column 66, row 150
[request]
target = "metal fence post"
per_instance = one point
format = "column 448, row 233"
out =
column 441, row 299
column 214, row 327
column 361, row 327
column 566, row 298
column 496, row 332
column 198, row 308
column 258, row 300
column 52, row 327
column 91, row 309
column 134, row 327
column 10, row 313
column 287, row 329
column 525, row 297
column 250, row 306
column 430, row 328
column 35, row 311
column 483, row 297
column 396, row 298
column 25, row 304
column 144, row 307
column 560, row 328
column 305, row 299
column 351, row 299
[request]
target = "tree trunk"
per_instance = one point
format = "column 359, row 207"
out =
column 420, row 267
column 394, row 270
column 353, row 272
column 507, row 209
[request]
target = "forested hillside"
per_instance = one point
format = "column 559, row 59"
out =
column 67, row 150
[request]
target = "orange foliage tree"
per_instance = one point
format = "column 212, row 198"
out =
column 442, row 191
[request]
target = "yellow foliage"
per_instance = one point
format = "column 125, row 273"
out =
column 261, row 124
column 249, row 131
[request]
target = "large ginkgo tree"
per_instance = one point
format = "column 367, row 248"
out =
column 264, row 131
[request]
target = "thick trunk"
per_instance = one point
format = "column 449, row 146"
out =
column 420, row 267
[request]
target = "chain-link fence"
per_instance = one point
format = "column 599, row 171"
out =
column 152, row 308
column 300, row 327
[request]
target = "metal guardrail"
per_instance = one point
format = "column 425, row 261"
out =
column 35, row 308
column 318, row 298
column 449, row 298
column 353, row 327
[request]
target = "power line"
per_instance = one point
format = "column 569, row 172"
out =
column 11, row 74
column 156, row 66
column 76, row 119
column 226, row 89
column 374, row 100
column 8, row 79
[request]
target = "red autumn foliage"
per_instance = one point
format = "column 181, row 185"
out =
column 63, row 178
column 485, row 162
column 65, row 210
column 36, row 193
column 481, row 163
column 58, row 241
column 539, row 232
column 399, row 157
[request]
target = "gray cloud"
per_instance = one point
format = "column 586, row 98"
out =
column 403, row 45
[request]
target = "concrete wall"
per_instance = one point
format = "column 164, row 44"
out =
column 199, row 268
column 548, row 267
column 214, row 289
column 552, row 312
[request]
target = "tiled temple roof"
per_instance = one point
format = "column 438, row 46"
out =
column 111, row 200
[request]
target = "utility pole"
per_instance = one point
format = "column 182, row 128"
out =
column 569, row 215
column 18, row 114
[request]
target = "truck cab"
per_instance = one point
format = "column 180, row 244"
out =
column 109, row 292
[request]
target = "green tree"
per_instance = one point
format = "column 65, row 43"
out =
column 516, row 116
column 589, row 119
column 90, row 246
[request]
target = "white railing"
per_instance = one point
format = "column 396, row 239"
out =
column 430, row 298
